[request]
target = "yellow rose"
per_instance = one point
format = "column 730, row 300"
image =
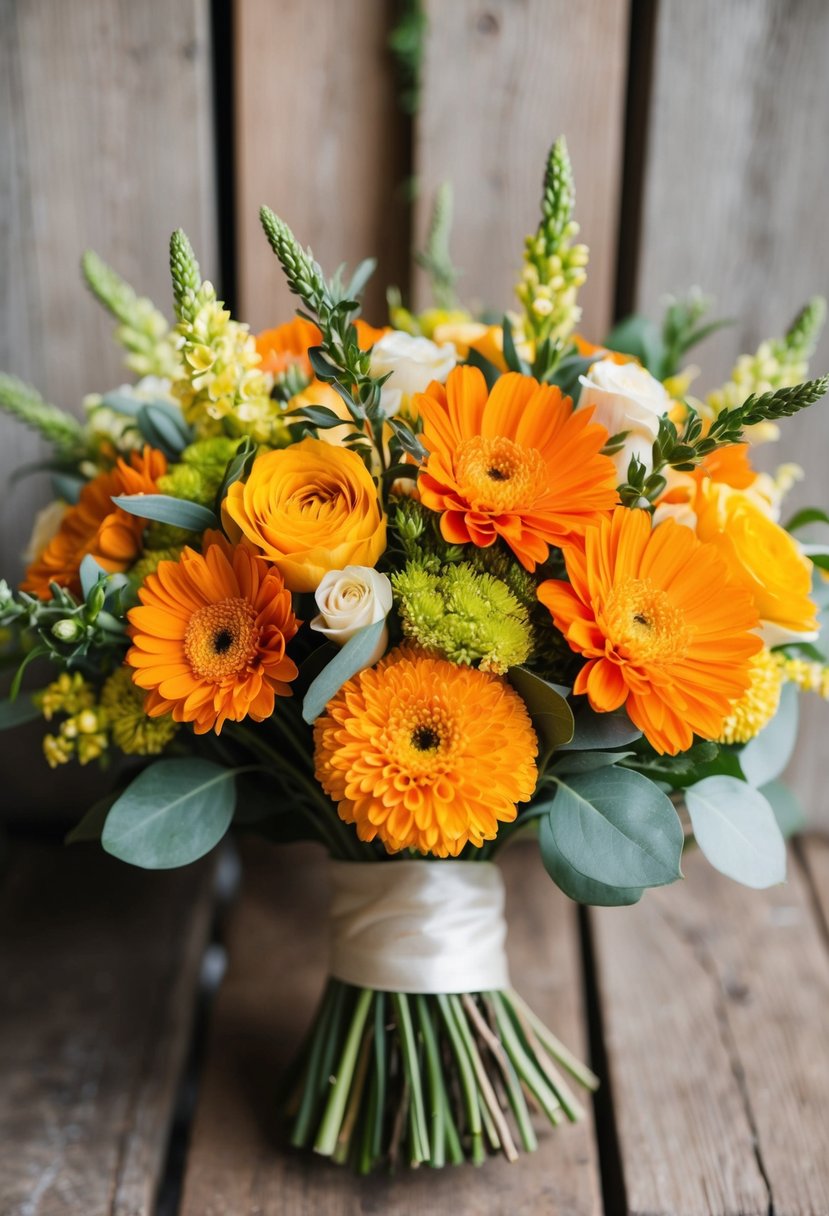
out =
column 765, row 557
column 309, row 508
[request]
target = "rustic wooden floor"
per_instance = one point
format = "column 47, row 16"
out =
column 126, row 1090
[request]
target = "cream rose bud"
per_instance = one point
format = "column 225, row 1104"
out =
column 413, row 363
column 350, row 599
column 625, row 397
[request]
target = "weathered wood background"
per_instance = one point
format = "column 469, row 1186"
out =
column 697, row 133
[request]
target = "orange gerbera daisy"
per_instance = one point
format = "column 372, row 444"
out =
column 518, row 463
column 426, row 755
column 95, row 526
column 663, row 635
column 209, row 638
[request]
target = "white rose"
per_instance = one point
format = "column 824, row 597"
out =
column 625, row 397
column 350, row 599
column 413, row 362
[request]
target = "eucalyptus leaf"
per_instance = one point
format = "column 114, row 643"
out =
column 765, row 756
column 174, row 812
column 616, row 827
column 350, row 659
column 18, row 712
column 567, row 374
column 163, row 428
column 551, row 716
column 90, row 572
column 736, row 830
column 585, row 762
column 164, row 509
column 601, row 731
column 640, row 337
column 788, row 810
column 575, row 885
column 238, row 467
column 68, row 486
column 91, row 825
column 407, row 439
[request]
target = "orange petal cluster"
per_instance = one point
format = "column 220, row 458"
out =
column 426, row 755
column 517, row 463
column 95, row 526
column 665, row 630
column 210, row 637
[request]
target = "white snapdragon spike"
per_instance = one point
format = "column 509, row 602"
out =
column 350, row 599
column 625, row 397
column 413, row 363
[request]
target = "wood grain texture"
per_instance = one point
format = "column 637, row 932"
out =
column 101, row 967
column 105, row 142
column 713, row 1000
column 737, row 171
column 320, row 140
column 501, row 80
column 276, row 945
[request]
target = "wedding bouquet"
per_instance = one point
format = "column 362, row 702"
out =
column 414, row 591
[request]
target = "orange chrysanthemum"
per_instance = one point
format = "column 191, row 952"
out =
column 209, row 638
column 663, row 635
column 426, row 755
column 95, row 526
column 518, row 463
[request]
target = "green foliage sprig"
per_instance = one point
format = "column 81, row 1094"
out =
column 338, row 360
column 686, row 449
column 54, row 424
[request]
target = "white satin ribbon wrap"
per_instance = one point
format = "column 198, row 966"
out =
column 418, row 926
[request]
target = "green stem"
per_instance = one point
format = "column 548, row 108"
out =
column 528, row 1071
column 354, row 1106
column 556, row 1049
column 489, row 1099
column 335, row 1108
column 437, row 1122
column 380, row 1066
column 467, row 1080
column 321, row 1034
column 515, row 1093
column 411, row 1067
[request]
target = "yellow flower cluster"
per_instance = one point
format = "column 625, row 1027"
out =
column 758, row 705
column 808, row 676
column 82, row 734
column 91, row 724
column 223, row 390
column 772, row 366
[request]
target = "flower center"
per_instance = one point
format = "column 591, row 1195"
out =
column 221, row 639
column 316, row 500
column 425, row 738
column 498, row 474
column 421, row 738
column 643, row 623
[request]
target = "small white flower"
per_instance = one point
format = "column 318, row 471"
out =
column 350, row 599
column 625, row 397
column 413, row 362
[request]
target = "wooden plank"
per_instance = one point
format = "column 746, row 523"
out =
column 105, row 142
column 530, row 71
column 276, row 945
column 320, row 139
column 713, row 1001
column 737, row 170
column 100, row 966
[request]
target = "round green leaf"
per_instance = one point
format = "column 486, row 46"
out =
column 616, row 827
column 766, row 755
column 736, row 830
column 575, row 885
column 174, row 812
column 599, row 732
column 164, row 509
column 551, row 716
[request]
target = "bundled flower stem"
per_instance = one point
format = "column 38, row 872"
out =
column 392, row 1079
